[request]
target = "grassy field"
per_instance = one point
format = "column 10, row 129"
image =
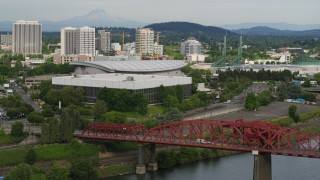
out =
column 7, row 139
column 47, row 153
column 152, row 112
column 304, row 117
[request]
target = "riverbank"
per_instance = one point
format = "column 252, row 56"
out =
column 166, row 159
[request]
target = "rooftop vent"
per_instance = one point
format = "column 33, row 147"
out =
column 130, row 78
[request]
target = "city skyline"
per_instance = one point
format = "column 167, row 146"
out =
column 205, row 12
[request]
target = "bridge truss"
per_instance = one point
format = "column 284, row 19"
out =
column 228, row 135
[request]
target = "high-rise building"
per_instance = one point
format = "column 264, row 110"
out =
column 6, row 39
column 103, row 41
column 85, row 41
column 68, row 41
column 27, row 37
column 145, row 41
column 191, row 46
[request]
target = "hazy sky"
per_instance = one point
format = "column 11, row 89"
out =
column 208, row 12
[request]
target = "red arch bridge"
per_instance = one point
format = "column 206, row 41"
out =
column 259, row 137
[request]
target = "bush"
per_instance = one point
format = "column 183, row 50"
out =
column 82, row 170
column 115, row 117
column 206, row 153
column 166, row 159
column 30, row 157
column 17, row 129
column 57, row 172
column 20, row 172
column 189, row 153
column 35, row 117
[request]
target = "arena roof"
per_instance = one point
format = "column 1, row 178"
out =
column 134, row 66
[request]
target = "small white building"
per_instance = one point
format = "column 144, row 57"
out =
column 313, row 83
column 6, row 86
column 285, row 57
column 201, row 87
column 116, row 46
column 158, row 49
column 9, row 92
column 197, row 58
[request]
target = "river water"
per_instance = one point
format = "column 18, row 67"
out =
column 235, row 167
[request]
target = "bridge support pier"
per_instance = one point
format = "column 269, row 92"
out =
column 262, row 166
column 141, row 167
column 153, row 166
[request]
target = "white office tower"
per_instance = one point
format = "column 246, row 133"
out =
column 103, row 41
column 144, row 41
column 191, row 46
column 85, row 41
column 27, row 37
column 68, row 41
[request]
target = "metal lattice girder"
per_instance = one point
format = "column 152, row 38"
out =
column 228, row 135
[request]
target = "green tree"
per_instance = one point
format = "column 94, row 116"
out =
column 309, row 97
column 17, row 129
column 99, row 109
column 180, row 93
column 30, row 157
column 251, row 102
column 306, row 83
column 66, row 96
column 54, row 130
column 35, row 117
column 66, row 125
column 166, row 159
column 162, row 93
column 13, row 112
column 82, row 170
column 173, row 114
column 293, row 113
column 115, row 117
column 57, row 172
column 264, row 98
column 45, row 87
column 140, row 103
column 52, row 97
column 171, row 101
column 45, row 134
column 18, row 66
column 47, row 111
column 20, row 172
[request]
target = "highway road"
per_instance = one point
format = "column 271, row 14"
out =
column 26, row 97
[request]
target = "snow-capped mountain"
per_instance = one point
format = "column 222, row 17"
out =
column 95, row 18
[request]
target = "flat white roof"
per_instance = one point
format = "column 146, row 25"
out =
column 121, row 81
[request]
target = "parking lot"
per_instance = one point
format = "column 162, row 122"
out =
column 275, row 109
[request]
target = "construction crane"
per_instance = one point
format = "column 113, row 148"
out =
column 123, row 35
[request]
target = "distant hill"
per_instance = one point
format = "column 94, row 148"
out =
column 95, row 18
column 267, row 31
column 280, row 26
column 184, row 30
